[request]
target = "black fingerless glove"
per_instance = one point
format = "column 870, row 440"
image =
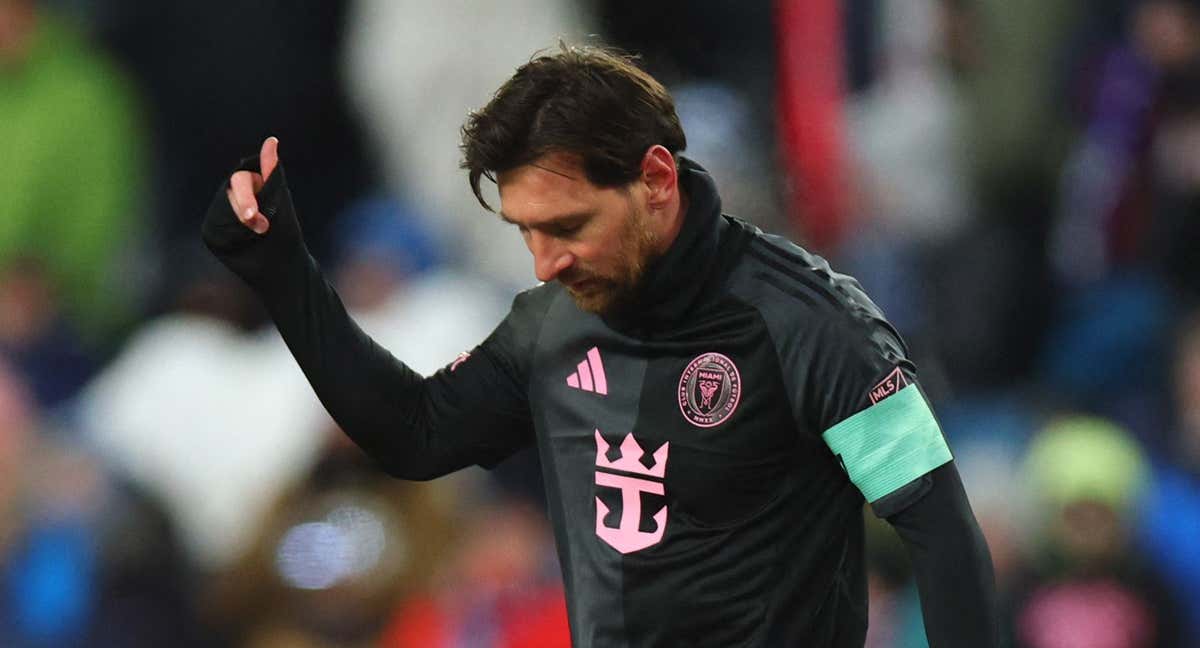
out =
column 262, row 260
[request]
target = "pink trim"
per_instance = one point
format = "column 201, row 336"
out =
column 598, row 371
column 573, row 380
column 585, row 376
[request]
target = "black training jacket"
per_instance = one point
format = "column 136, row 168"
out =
column 706, row 454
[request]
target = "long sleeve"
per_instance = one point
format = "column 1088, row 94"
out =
column 858, row 386
column 950, row 560
column 415, row 427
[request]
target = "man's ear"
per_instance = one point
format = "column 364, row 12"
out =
column 660, row 176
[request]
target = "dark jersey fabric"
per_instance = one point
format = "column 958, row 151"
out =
column 693, row 499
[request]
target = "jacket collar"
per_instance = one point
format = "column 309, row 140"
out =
column 675, row 282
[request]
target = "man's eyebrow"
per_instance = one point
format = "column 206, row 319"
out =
column 551, row 222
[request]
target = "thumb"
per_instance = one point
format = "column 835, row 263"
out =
column 268, row 157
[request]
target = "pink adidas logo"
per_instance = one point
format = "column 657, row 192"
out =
column 590, row 374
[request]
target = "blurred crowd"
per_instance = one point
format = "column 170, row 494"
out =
column 1017, row 184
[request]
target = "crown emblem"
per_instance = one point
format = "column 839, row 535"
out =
column 631, row 457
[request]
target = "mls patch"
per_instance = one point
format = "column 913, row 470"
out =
column 894, row 382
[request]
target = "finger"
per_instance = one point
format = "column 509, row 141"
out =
column 268, row 158
column 245, row 206
column 232, row 201
column 242, row 186
column 258, row 223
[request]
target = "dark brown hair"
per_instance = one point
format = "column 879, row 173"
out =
column 589, row 101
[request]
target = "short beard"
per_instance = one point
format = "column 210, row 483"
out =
column 638, row 243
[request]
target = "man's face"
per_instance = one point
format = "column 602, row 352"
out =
column 596, row 241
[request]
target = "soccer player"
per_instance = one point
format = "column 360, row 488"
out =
column 711, row 404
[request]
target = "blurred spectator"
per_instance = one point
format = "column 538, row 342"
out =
column 905, row 137
column 1108, row 193
column 83, row 560
column 1084, row 586
column 960, row 273
column 1170, row 524
column 1175, row 152
column 390, row 275
column 244, row 424
column 333, row 556
column 1011, row 84
column 416, row 68
column 907, row 130
column 213, row 421
column 500, row 589
column 37, row 337
column 1107, row 352
column 70, row 173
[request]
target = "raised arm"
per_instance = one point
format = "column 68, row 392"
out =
column 415, row 427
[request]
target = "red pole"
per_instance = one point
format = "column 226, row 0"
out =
column 809, row 96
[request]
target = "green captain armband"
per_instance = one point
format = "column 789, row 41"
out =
column 889, row 444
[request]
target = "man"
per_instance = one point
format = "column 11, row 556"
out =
column 711, row 403
column 72, row 130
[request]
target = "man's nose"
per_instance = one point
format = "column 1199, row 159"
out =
column 549, row 256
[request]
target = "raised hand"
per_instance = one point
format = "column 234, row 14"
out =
column 236, row 222
column 244, row 185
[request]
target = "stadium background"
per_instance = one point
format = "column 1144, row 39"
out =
column 1016, row 182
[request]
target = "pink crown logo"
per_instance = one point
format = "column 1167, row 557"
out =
column 631, row 455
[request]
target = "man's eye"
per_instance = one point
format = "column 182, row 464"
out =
column 567, row 230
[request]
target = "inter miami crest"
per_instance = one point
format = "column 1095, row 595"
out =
column 709, row 390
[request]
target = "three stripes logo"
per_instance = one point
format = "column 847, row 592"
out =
column 589, row 375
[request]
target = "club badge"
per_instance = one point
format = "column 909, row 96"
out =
column 709, row 390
